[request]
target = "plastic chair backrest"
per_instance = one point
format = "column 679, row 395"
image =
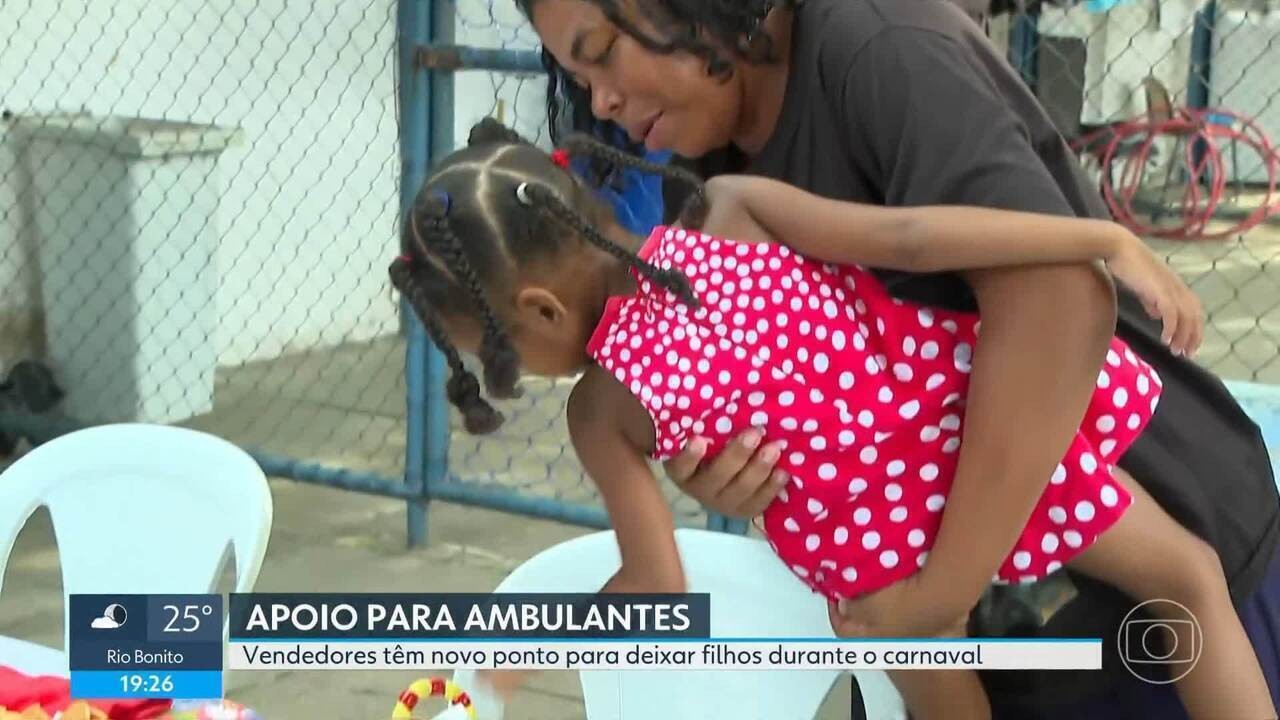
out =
column 141, row 509
column 752, row 595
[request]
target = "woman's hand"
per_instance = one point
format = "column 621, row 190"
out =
column 909, row 608
column 1164, row 295
column 739, row 483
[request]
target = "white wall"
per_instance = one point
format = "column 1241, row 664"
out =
column 307, row 220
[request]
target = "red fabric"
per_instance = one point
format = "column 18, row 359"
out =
column 19, row 692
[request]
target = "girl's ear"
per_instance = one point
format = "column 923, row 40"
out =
column 538, row 306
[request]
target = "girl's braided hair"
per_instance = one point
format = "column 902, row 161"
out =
column 486, row 211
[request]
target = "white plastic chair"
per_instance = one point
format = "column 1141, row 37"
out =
column 140, row 509
column 752, row 595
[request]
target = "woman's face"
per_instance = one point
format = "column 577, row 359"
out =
column 668, row 101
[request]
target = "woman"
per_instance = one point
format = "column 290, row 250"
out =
column 905, row 102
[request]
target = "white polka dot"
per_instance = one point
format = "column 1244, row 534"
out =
column 849, row 574
column 759, row 418
column 871, row 366
column 909, row 346
column 1113, row 359
column 1109, row 496
column 950, row 326
column 929, row 433
column 1022, row 559
column 1120, row 397
column 861, row 516
column 909, row 409
column 929, row 472
column 950, row 422
column 841, row 536
column 929, row 350
column 866, row 418
column 963, row 356
column 1072, row 538
column 915, row 538
column 827, row 471
column 791, row 525
column 821, row 362
column 786, row 398
column 724, row 425
column 868, row 455
column 1088, row 463
column 724, row 377
column 797, row 458
column 893, row 491
column 1049, row 543
column 859, row 343
column 880, row 436
column 889, row 558
column 885, row 395
column 1058, row 515
column 810, row 425
column 846, row 437
column 799, row 571
column 1134, row 421
column 935, row 502
column 951, row 445
column 1106, row 424
column 1084, row 511
column 1106, row 447
column 1144, row 385
column 1053, row 567
column 903, row 372
column 817, row 442
column 898, row 514
column 857, row 485
column 926, row 317
column 935, row 381
column 871, row 540
column 920, row 560
column 790, row 423
column 1104, row 380
column 815, row 396
column 896, row 468
column 812, row 542
column 1059, row 475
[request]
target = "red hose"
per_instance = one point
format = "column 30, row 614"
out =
column 1206, row 179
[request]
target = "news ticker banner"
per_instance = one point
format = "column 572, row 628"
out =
column 158, row 646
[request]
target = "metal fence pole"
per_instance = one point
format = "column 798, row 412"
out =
column 427, row 421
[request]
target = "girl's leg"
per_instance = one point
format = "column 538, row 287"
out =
column 942, row 694
column 1149, row 556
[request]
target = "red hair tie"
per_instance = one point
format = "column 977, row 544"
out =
column 560, row 158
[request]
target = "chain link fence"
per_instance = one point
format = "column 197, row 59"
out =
column 198, row 201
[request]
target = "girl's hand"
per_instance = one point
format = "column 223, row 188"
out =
column 906, row 609
column 1164, row 295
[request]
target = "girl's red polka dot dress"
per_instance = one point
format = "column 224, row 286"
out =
column 868, row 394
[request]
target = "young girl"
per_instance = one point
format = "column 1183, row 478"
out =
column 705, row 332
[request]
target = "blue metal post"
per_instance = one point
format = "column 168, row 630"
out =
column 1024, row 39
column 426, row 438
column 1198, row 79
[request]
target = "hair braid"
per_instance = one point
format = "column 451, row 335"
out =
column 675, row 281
column 463, row 390
column 694, row 209
column 490, row 130
column 498, row 357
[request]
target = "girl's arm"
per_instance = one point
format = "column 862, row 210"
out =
column 940, row 238
column 925, row 239
column 610, row 431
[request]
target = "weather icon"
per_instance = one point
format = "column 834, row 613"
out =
column 113, row 617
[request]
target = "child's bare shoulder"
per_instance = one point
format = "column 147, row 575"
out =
column 728, row 213
column 600, row 406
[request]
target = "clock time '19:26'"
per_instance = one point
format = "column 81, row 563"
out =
column 146, row 683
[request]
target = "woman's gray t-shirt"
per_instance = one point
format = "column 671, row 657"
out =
column 906, row 102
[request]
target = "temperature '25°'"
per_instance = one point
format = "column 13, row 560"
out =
column 185, row 619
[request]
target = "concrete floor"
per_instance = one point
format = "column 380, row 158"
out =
column 345, row 407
